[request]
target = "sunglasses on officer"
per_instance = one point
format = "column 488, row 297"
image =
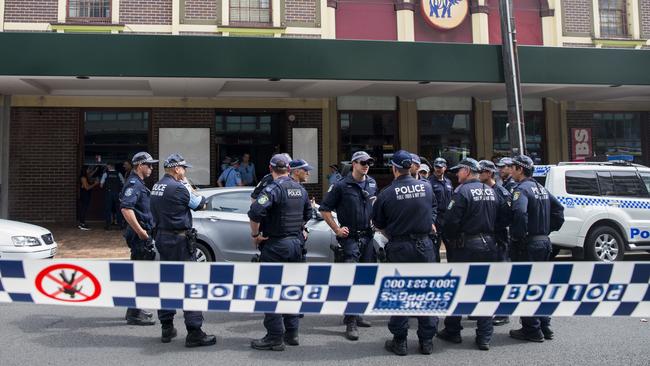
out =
column 365, row 162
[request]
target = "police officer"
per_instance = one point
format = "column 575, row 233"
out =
column 442, row 189
column 502, row 236
column 505, row 172
column 112, row 181
column 469, row 225
column 171, row 202
column 408, row 240
column 277, row 219
column 231, row 176
column 352, row 198
column 536, row 213
column 135, row 210
column 299, row 170
column 264, row 182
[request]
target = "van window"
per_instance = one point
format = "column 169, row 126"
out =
column 581, row 182
column 645, row 176
column 628, row 184
column 606, row 183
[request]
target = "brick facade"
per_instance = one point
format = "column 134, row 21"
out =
column 146, row 12
column 577, row 17
column 301, row 12
column 43, row 181
column 31, row 11
column 201, row 10
column 644, row 9
column 184, row 118
column 312, row 118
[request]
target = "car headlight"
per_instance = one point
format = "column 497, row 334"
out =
column 25, row 241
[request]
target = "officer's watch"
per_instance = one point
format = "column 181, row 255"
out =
column 255, row 235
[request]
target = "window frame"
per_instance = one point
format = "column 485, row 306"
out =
column 248, row 23
column 89, row 19
column 620, row 14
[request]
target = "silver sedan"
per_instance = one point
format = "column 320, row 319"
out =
column 224, row 230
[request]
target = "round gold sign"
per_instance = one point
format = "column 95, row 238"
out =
column 444, row 14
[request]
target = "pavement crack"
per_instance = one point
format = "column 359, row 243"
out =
column 53, row 323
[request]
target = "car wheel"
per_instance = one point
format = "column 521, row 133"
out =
column 604, row 244
column 203, row 254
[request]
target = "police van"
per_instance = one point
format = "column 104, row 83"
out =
column 606, row 207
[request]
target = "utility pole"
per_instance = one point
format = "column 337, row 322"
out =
column 516, row 131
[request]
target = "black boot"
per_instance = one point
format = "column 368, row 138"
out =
column 521, row 335
column 168, row 332
column 136, row 317
column 426, row 346
column 449, row 337
column 291, row 337
column 198, row 338
column 268, row 343
column 500, row 320
column 482, row 344
column 548, row 333
column 147, row 314
column 351, row 331
column 361, row 323
column 397, row 346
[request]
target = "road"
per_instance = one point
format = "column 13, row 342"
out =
column 60, row 335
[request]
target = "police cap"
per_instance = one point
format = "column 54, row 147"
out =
column 416, row 159
column 425, row 168
column 401, row 159
column 300, row 164
column 280, row 161
column 361, row 156
column 468, row 163
column 174, row 160
column 504, row 161
column 440, row 163
column 487, row 165
column 143, row 157
column 524, row 162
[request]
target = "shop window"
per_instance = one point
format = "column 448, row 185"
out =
column 613, row 18
column 250, row 11
column 534, row 122
column 89, row 11
column 445, row 134
column 114, row 135
column 374, row 132
column 618, row 134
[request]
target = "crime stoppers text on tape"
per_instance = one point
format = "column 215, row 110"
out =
column 477, row 289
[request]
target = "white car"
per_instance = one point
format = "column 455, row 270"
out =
column 19, row 240
column 606, row 208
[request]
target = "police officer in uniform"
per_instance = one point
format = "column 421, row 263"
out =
column 112, row 181
column 536, row 213
column 469, row 226
column 264, row 182
column 502, row 235
column 442, row 189
column 352, row 198
column 505, row 172
column 137, row 213
column 394, row 211
column 171, row 202
column 299, row 170
column 277, row 219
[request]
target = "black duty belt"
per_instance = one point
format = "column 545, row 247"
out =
column 360, row 233
column 481, row 236
column 537, row 238
column 410, row 237
column 173, row 232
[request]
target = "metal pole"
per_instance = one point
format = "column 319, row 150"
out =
column 516, row 134
column 5, row 114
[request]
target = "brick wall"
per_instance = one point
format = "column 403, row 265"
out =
column 577, row 17
column 184, row 118
column 43, row 182
column 300, row 11
column 312, row 118
column 31, row 11
column 644, row 7
column 196, row 10
column 146, row 11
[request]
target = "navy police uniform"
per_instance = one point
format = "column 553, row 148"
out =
column 469, row 226
column 442, row 190
column 536, row 213
column 112, row 187
column 261, row 185
column 281, row 209
column 171, row 202
column 408, row 240
column 135, row 197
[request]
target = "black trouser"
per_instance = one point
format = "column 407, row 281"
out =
column 112, row 206
column 406, row 251
column 136, row 245
column 535, row 249
column 174, row 247
column 475, row 249
column 84, row 204
column 278, row 249
column 357, row 249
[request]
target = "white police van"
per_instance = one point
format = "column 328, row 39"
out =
column 606, row 207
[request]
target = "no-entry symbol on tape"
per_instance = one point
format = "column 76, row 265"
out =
column 68, row 282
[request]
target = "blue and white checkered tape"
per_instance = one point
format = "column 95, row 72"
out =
column 572, row 202
column 482, row 289
column 541, row 170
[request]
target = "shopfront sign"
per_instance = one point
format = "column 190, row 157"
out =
column 581, row 143
column 444, row 14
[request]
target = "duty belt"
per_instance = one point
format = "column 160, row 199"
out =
column 481, row 236
column 182, row 232
column 537, row 237
column 355, row 234
column 409, row 237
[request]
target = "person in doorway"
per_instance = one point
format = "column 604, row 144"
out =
column 88, row 183
column 247, row 170
column 112, row 182
column 230, row 177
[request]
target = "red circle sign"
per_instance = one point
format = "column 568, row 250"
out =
column 69, row 283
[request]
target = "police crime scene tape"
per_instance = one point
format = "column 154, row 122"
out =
column 414, row 289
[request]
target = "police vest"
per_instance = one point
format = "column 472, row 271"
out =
column 112, row 182
column 286, row 215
